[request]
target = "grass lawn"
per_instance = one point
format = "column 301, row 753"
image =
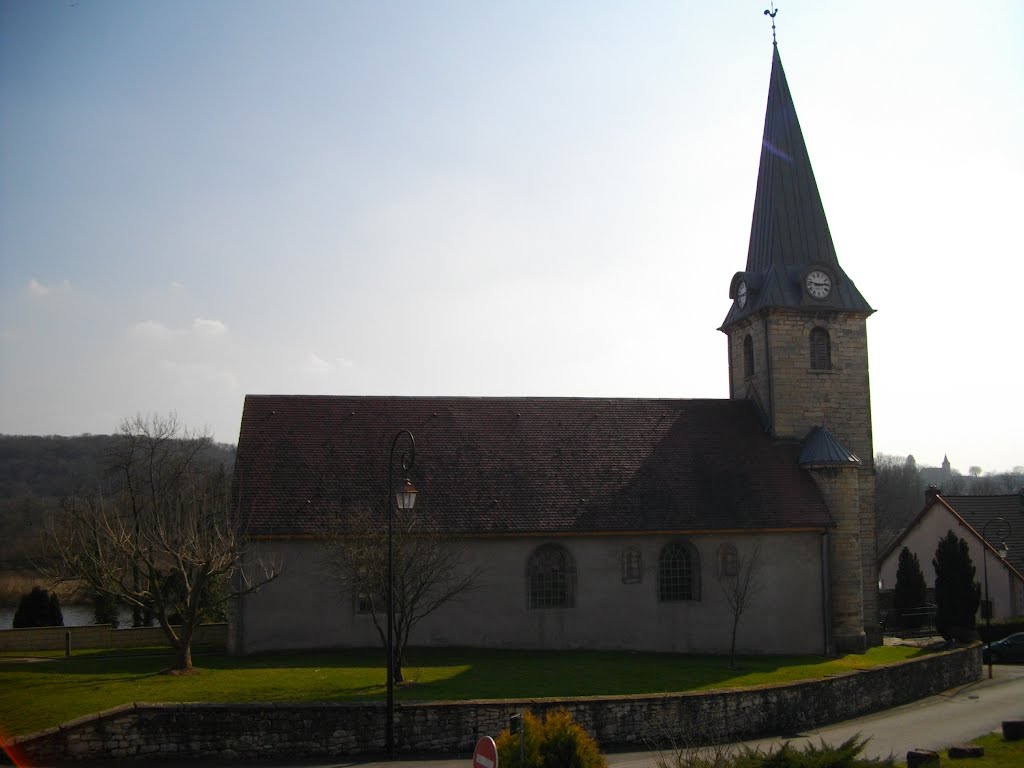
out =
column 998, row 753
column 41, row 694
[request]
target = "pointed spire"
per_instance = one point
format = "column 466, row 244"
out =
column 789, row 219
column 789, row 232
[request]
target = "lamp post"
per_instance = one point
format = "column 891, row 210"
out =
column 984, row 556
column 406, row 500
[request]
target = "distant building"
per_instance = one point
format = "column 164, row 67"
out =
column 605, row 523
column 940, row 477
column 968, row 517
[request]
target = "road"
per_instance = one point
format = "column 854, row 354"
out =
column 952, row 717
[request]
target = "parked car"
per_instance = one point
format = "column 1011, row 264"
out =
column 1010, row 648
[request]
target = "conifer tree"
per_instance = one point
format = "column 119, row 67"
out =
column 38, row 608
column 957, row 594
column 911, row 591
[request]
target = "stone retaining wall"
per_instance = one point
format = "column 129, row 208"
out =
column 251, row 731
column 102, row 636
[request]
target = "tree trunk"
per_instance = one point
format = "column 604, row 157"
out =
column 184, row 654
column 398, row 677
column 180, row 641
column 732, row 647
column 136, row 611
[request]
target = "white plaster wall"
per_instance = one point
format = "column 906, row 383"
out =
column 303, row 608
column 1006, row 590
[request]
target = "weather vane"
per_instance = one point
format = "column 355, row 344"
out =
column 771, row 14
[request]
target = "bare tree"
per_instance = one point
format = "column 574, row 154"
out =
column 739, row 576
column 898, row 494
column 147, row 459
column 163, row 539
column 429, row 572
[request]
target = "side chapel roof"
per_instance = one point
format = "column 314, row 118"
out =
column 789, row 232
column 491, row 466
column 823, row 449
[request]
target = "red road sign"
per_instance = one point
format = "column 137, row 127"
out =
column 486, row 753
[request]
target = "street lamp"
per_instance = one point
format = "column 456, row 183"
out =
column 1001, row 550
column 406, row 500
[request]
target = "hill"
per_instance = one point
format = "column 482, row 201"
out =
column 36, row 472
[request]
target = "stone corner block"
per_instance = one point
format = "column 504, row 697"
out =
column 1013, row 730
column 959, row 751
column 922, row 758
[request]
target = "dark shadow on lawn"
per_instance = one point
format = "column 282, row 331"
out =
column 487, row 674
column 529, row 674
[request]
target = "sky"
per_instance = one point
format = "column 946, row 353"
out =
column 204, row 200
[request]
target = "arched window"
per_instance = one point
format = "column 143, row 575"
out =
column 821, row 350
column 550, row 574
column 678, row 573
column 632, row 566
column 748, row 357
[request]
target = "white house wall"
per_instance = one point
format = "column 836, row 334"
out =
column 1005, row 589
column 304, row 609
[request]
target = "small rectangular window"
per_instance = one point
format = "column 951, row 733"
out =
column 632, row 566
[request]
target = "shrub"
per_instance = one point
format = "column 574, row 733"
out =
column 811, row 756
column 555, row 742
column 104, row 609
column 38, row 608
column 718, row 755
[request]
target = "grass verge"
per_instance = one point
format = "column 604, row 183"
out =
column 40, row 694
column 999, row 753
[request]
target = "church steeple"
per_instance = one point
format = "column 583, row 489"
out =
column 797, row 332
column 791, row 260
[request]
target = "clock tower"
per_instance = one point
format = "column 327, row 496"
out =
column 797, row 336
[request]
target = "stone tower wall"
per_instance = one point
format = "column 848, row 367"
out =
column 796, row 398
column 837, row 398
column 869, row 553
column 758, row 386
column 841, row 489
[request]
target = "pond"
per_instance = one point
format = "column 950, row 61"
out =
column 74, row 616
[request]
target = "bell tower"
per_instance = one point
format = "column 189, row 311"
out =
column 797, row 339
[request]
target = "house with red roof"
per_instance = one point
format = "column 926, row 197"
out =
column 610, row 523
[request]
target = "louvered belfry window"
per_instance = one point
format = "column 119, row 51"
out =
column 821, row 350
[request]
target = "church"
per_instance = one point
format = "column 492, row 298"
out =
column 610, row 523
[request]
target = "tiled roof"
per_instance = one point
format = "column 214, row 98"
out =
column 978, row 511
column 521, row 465
column 789, row 231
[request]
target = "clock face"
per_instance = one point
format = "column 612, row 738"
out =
column 741, row 294
column 818, row 284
